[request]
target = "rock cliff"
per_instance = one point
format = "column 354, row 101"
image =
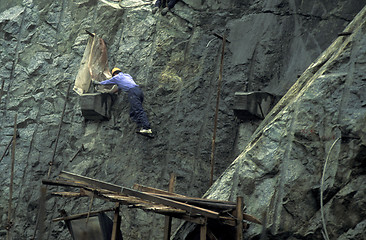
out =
column 303, row 170
column 176, row 59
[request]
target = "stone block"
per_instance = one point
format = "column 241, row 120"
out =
column 253, row 105
column 96, row 106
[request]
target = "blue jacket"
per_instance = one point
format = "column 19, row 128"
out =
column 123, row 80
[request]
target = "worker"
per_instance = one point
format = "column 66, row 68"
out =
column 165, row 10
column 135, row 96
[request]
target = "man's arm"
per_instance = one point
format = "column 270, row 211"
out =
column 95, row 82
column 109, row 81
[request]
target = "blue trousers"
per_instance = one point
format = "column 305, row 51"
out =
column 137, row 113
column 171, row 3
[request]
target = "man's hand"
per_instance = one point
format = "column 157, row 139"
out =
column 95, row 82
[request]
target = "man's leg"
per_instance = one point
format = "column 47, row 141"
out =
column 137, row 113
column 157, row 3
column 156, row 6
column 172, row 3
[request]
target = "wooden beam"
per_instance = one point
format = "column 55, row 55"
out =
column 239, row 217
column 91, row 181
column 189, row 208
column 116, row 223
column 203, row 231
column 135, row 202
column 64, row 183
column 168, row 219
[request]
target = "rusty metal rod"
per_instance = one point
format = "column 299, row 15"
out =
column 6, row 149
column 2, row 89
column 91, row 34
column 58, row 133
column 221, row 37
column 217, row 110
column 82, row 148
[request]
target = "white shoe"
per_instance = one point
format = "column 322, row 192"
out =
column 145, row 131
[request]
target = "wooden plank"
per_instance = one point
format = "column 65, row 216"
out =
column 187, row 207
column 125, row 200
column 68, row 194
column 69, row 184
column 91, row 181
column 165, row 210
column 144, row 205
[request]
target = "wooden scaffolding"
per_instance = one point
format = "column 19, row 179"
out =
column 196, row 210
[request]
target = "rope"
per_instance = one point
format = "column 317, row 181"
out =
column 325, row 233
column 10, row 223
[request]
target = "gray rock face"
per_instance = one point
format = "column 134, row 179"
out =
column 310, row 146
column 175, row 59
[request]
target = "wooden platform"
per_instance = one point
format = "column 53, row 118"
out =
column 196, row 210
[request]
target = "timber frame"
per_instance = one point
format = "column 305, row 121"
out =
column 196, row 210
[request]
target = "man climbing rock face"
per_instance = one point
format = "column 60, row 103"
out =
column 135, row 96
column 162, row 3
